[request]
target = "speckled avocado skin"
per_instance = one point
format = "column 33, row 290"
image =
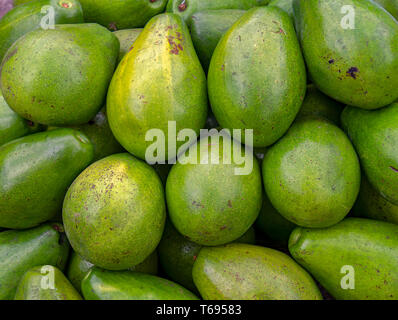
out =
column 312, row 175
column 35, row 173
column 114, row 212
column 208, row 203
column 121, row 14
column 174, row 91
column 126, row 285
column 375, row 138
column 22, row 250
column 390, row 5
column 354, row 66
column 79, row 267
column 207, row 28
column 370, row 204
column 257, row 77
column 369, row 246
column 30, row 286
column 28, row 17
column 71, row 65
column 126, row 39
column 318, row 104
column 13, row 126
column 177, row 254
column 285, row 5
column 247, row 272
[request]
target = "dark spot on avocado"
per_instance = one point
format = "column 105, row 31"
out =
column 393, row 168
column 183, row 6
column 280, row 31
column 222, row 68
column 152, row 1
column 331, row 61
column 223, row 228
column 30, row 123
column 112, row 26
column 352, row 72
column 229, row 203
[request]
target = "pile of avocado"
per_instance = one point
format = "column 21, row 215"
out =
column 311, row 84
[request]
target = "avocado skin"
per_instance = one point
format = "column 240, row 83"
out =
column 174, row 91
column 369, row 246
column 79, row 267
column 30, row 286
column 194, row 6
column 375, row 137
column 13, row 126
column 22, row 250
column 370, row 204
column 121, row 14
column 67, row 63
column 312, row 175
column 126, row 39
column 177, row 254
column 317, row 104
column 285, row 5
column 207, row 28
column 358, row 66
column 262, row 42
column 247, row 272
column 195, row 201
column 390, row 5
column 114, row 212
column 35, row 173
column 27, row 17
column 126, row 285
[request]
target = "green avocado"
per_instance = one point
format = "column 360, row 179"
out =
column 78, row 268
column 45, row 283
column 247, row 272
column 317, row 104
column 257, row 77
column 71, row 66
column 370, row 204
column 285, row 5
column 126, row 285
column 121, row 14
column 390, row 5
column 22, row 250
column 356, row 259
column 351, row 50
column 186, row 8
column 35, row 15
column 273, row 224
column 312, row 175
column 13, row 126
column 177, row 254
column 114, row 212
column 126, row 39
column 207, row 28
column 214, row 191
column 375, row 138
column 173, row 91
column 35, row 173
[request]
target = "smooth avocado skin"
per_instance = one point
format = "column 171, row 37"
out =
column 126, row 285
column 246, row 272
column 121, row 14
column 66, row 63
column 79, row 267
column 285, row 5
column 257, row 77
column 30, row 286
column 211, row 204
column 114, row 212
column 317, row 104
column 370, row 204
column 312, row 175
column 207, row 28
column 369, row 247
column 358, row 66
column 390, row 5
column 177, row 254
column 126, row 39
column 35, row 173
column 30, row 16
column 186, row 8
column 13, row 126
column 21, row 250
column 374, row 135
column 174, row 91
